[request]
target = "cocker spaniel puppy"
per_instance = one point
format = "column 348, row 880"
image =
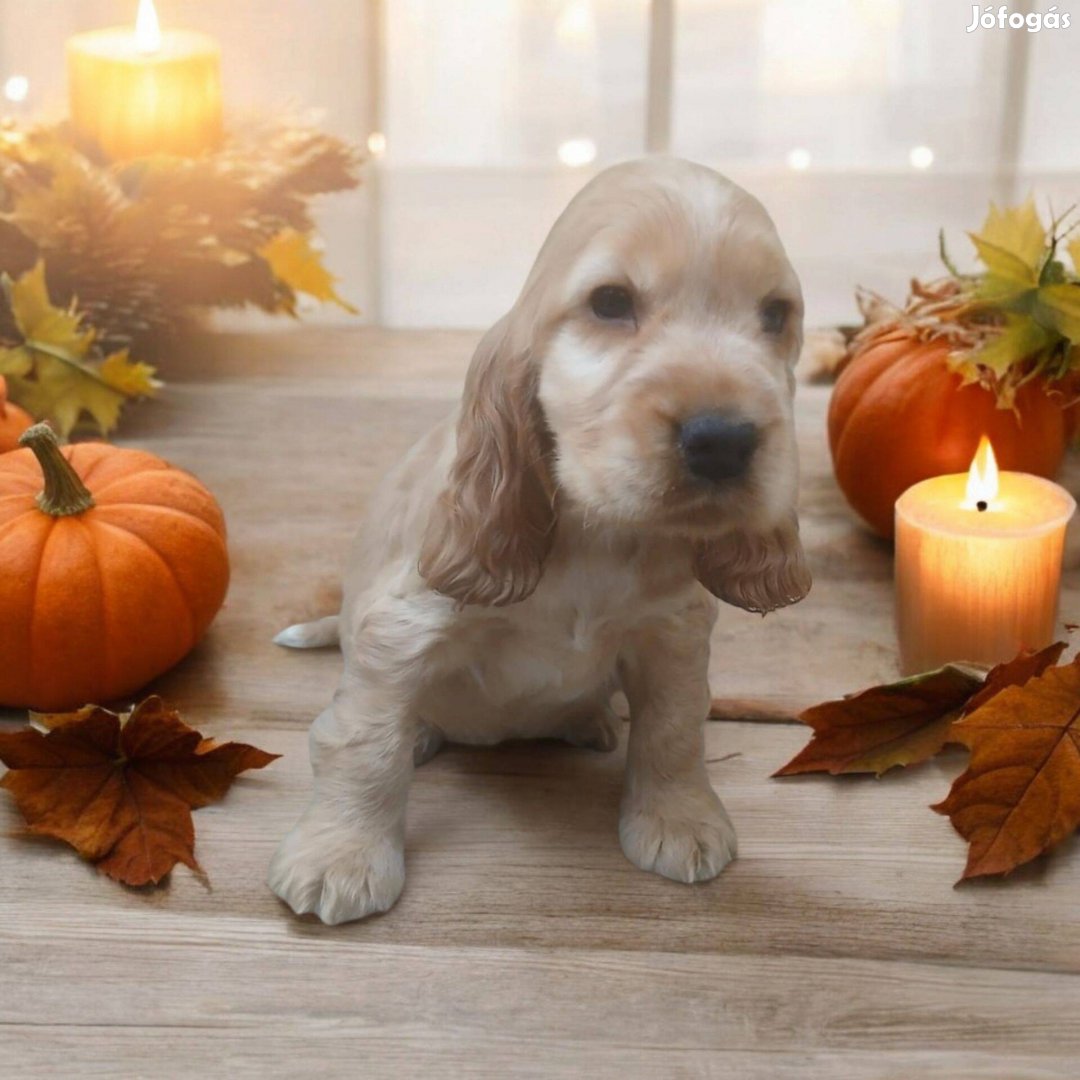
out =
column 622, row 454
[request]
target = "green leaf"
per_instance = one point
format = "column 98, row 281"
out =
column 1022, row 338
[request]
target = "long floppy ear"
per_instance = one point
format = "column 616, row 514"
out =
column 492, row 527
column 755, row 571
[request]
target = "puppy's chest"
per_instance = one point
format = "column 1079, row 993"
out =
column 563, row 641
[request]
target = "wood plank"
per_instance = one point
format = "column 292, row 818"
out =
column 319, row 1049
column 516, row 846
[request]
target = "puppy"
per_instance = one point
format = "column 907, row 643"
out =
column 623, row 453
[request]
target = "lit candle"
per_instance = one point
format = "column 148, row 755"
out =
column 141, row 91
column 978, row 565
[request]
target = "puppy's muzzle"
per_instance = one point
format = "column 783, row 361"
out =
column 718, row 446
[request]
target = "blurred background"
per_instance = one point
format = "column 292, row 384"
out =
column 863, row 125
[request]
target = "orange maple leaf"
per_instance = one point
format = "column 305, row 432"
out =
column 121, row 791
column 906, row 722
column 1020, row 795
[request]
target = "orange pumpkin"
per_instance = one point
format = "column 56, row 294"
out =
column 898, row 415
column 108, row 576
column 13, row 420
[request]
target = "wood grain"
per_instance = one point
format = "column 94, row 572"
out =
column 525, row 944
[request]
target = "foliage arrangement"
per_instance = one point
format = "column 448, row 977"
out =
column 120, row 788
column 1020, row 794
column 1016, row 320
column 103, row 263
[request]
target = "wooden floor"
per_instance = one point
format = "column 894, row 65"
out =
column 525, row 944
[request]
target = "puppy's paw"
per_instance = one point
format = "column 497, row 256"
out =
column 597, row 731
column 682, row 839
column 428, row 743
column 336, row 872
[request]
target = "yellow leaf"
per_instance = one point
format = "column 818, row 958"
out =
column 68, row 392
column 1016, row 231
column 1021, row 338
column 1008, row 275
column 51, row 375
column 293, row 261
column 51, row 329
column 63, row 392
column 1062, row 306
column 17, row 361
column 1074, row 252
column 131, row 377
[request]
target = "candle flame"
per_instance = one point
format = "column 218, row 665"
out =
column 147, row 28
column 982, row 484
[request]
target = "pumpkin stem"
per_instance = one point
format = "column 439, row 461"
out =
column 64, row 494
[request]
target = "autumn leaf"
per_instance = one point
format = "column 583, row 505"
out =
column 1015, row 672
column 1021, row 337
column 1018, row 230
column 43, row 326
column 52, row 373
column 1020, row 795
column 901, row 723
column 120, row 789
column 131, row 377
column 1011, row 245
column 906, row 722
column 1059, row 307
column 1074, row 254
column 295, row 262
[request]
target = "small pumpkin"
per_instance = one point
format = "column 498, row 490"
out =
column 108, row 576
column 13, row 421
column 899, row 415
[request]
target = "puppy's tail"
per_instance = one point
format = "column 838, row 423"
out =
column 312, row 635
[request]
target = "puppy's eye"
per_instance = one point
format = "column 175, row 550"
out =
column 612, row 302
column 774, row 316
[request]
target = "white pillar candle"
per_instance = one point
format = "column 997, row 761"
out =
column 978, row 565
column 142, row 91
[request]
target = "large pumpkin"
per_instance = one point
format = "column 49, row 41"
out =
column 13, row 420
column 898, row 415
column 108, row 576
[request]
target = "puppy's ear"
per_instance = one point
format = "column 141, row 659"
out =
column 756, row 571
column 493, row 525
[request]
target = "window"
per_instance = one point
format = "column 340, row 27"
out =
column 863, row 125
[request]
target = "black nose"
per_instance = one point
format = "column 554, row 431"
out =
column 718, row 446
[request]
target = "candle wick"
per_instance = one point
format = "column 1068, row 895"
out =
column 982, row 505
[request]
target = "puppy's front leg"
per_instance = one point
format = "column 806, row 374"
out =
column 344, row 858
column 671, row 821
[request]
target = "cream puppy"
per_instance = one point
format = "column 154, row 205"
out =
column 623, row 453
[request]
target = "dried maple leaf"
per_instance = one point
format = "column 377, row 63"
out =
column 1020, row 794
column 906, row 722
column 121, row 791
column 1015, row 672
column 900, row 723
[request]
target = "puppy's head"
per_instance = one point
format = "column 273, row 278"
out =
column 644, row 377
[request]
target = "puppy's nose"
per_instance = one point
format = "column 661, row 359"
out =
column 718, row 446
